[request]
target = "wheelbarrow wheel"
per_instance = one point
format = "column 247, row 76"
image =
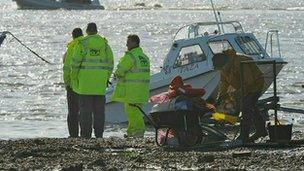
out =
column 162, row 136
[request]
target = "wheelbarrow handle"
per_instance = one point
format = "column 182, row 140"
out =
column 148, row 117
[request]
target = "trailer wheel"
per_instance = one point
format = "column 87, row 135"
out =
column 190, row 138
column 213, row 134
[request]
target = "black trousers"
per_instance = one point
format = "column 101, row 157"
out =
column 73, row 112
column 92, row 113
column 251, row 115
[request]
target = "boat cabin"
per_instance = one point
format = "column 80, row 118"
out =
column 196, row 44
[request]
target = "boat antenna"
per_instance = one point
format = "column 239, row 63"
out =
column 3, row 36
column 216, row 19
column 220, row 18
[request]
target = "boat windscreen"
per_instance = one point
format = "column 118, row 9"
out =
column 219, row 46
column 195, row 30
column 248, row 45
column 189, row 55
column 206, row 29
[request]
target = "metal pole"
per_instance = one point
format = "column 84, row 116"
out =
column 266, row 41
column 242, row 85
column 271, row 51
column 216, row 19
column 242, row 95
column 275, row 92
column 279, row 47
column 220, row 18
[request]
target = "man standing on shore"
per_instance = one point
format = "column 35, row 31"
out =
column 92, row 66
column 229, row 64
column 73, row 107
column 133, row 73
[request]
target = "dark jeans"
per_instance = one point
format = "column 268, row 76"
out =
column 251, row 114
column 73, row 112
column 92, row 107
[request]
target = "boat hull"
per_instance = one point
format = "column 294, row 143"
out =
column 48, row 4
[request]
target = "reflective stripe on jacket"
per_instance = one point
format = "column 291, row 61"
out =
column 133, row 72
column 92, row 66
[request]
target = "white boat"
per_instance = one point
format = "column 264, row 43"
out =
column 60, row 4
column 191, row 57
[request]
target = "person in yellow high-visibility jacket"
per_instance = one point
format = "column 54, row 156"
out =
column 133, row 86
column 91, row 69
column 72, row 98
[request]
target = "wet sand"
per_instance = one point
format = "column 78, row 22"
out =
column 138, row 154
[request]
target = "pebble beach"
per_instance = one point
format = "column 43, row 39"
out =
column 140, row 154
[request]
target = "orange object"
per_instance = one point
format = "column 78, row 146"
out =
column 177, row 88
column 176, row 83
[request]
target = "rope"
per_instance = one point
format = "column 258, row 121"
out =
column 7, row 32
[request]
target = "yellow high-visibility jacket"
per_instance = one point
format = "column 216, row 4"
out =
column 92, row 65
column 67, row 68
column 133, row 72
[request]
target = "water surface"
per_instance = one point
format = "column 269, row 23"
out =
column 32, row 95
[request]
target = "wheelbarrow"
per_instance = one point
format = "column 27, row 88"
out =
column 182, row 120
column 184, row 124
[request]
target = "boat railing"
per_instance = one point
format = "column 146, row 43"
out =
column 269, row 38
column 200, row 29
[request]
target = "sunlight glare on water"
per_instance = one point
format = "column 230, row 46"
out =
column 32, row 94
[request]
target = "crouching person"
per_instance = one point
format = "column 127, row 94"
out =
column 228, row 63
